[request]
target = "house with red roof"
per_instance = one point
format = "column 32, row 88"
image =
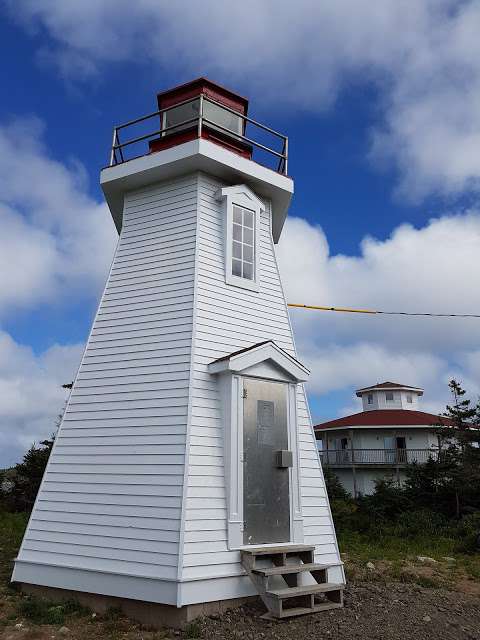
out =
column 390, row 432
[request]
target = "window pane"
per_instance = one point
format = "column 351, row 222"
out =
column 237, row 268
column 248, row 270
column 248, row 236
column 180, row 114
column 237, row 250
column 221, row 116
column 248, row 218
column 247, row 253
column 237, row 232
column 237, row 215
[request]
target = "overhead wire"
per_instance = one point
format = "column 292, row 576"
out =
column 385, row 313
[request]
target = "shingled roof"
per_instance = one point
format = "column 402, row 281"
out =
column 386, row 418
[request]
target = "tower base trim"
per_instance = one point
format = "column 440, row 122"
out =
column 155, row 615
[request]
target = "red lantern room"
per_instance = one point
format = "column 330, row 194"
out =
column 202, row 109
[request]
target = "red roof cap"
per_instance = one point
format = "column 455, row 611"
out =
column 388, row 385
column 211, row 89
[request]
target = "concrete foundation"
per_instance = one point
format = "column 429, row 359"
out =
column 150, row 614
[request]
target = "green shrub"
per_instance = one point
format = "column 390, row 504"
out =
column 193, row 630
column 42, row 611
column 468, row 533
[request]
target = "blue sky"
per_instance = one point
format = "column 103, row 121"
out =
column 381, row 108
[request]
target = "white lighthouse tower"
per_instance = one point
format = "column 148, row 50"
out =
column 185, row 473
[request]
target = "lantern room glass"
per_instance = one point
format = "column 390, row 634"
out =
column 190, row 111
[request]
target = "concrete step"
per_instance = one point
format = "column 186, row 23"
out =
column 290, row 568
column 293, row 592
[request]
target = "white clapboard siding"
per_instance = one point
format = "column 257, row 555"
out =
column 227, row 319
column 112, row 496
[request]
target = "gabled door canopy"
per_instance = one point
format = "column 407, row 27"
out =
column 239, row 361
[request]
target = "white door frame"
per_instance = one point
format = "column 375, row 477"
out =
column 232, row 392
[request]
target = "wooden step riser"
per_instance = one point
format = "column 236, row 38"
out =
column 292, row 568
column 299, row 611
column 278, row 559
column 311, row 589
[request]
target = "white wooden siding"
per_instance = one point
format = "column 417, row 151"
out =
column 112, row 495
column 228, row 318
column 136, row 482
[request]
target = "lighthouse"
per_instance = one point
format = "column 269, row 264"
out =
column 185, row 475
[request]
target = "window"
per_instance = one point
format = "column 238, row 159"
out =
column 222, row 117
column 409, row 399
column 242, row 210
column 370, row 398
column 389, row 396
column 243, row 243
column 179, row 114
column 214, row 113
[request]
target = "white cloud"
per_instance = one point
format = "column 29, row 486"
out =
column 422, row 55
column 432, row 269
column 31, row 393
column 56, row 244
column 55, row 238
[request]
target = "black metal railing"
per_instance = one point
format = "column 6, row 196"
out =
column 274, row 158
column 350, row 457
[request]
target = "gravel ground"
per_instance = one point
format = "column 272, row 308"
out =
column 373, row 610
column 394, row 611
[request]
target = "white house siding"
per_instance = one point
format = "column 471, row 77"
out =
column 228, row 318
column 111, row 497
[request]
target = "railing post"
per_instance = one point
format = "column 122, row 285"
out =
column 354, row 473
column 120, row 150
column 112, row 154
column 285, row 164
column 200, row 116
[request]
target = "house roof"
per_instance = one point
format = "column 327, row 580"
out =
column 385, row 417
column 389, row 385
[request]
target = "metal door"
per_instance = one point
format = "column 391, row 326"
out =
column 266, row 487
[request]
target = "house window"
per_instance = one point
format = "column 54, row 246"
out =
column 370, row 398
column 243, row 243
column 389, row 396
column 409, row 399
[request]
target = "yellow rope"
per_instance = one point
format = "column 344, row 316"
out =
column 344, row 310
column 385, row 313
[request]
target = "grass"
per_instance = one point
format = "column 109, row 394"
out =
column 390, row 547
column 395, row 558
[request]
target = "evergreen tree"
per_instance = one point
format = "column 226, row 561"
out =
column 20, row 484
column 459, row 457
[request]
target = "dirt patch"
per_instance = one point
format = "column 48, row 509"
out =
column 468, row 586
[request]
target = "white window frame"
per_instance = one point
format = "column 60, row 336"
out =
column 242, row 196
column 387, row 398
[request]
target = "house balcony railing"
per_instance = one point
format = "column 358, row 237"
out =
column 266, row 146
column 383, row 457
